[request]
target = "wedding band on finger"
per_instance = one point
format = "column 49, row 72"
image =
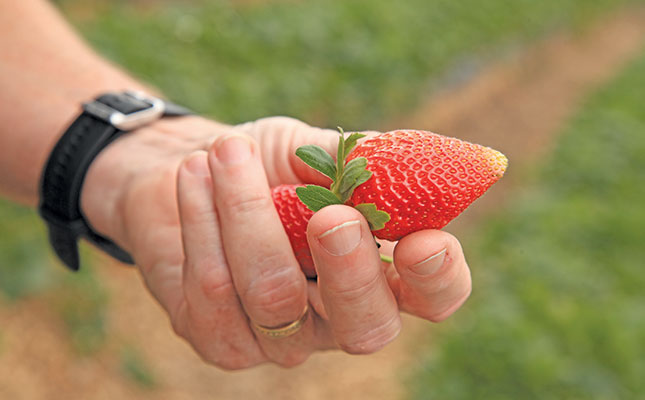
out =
column 286, row 330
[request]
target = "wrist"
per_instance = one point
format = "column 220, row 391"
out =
column 131, row 161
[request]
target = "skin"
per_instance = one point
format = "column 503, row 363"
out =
column 189, row 199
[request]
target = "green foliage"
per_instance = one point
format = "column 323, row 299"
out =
column 330, row 62
column 346, row 176
column 355, row 174
column 317, row 158
column 375, row 217
column 316, row 197
column 135, row 367
column 557, row 309
column 351, row 141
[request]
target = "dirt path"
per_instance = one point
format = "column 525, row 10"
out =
column 516, row 106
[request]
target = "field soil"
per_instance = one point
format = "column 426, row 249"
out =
column 516, row 105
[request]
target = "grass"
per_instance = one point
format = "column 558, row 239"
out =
column 329, row 62
column 557, row 309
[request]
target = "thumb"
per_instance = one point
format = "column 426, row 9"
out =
column 363, row 313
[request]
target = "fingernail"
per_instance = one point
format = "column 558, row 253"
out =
column 233, row 149
column 197, row 165
column 341, row 239
column 430, row 265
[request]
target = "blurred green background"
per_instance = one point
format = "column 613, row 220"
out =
column 557, row 308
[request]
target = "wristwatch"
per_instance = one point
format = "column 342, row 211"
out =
column 102, row 121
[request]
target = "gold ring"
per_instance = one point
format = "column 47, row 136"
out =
column 284, row 330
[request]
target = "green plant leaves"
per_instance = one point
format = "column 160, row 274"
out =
column 317, row 197
column 375, row 218
column 346, row 177
column 317, row 158
column 350, row 142
column 354, row 175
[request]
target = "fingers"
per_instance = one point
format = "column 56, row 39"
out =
column 217, row 326
column 264, row 270
column 362, row 310
column 433, row 277
column 279, row 137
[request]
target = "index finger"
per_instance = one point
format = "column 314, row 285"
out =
column 265, row 271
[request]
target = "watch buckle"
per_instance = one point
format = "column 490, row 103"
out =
column 128, row 122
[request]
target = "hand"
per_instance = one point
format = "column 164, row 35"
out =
column 193, row 208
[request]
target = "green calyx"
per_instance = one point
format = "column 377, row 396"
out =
column 345, row 176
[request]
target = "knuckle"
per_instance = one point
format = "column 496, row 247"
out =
column 194, row 209
column 374, row 339
column 356, row 292
column 216, row 285
column 277, row 291
column 244, row 203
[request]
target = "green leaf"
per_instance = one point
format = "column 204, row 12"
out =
column 355, row 174
column 317, row 158
column 340, row 153
column 362, row 178
column 376, row 218
column 316, row 197
column 350, row 142
column 350, row 175
column 352, row 171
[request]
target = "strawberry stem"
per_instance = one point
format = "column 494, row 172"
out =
column 346, row 176
column 386, row 259
column 340, row 161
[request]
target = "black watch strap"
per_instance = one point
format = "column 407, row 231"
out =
column 101, row 122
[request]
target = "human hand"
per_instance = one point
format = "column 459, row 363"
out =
column 206, row 185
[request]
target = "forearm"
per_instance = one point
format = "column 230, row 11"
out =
column 46, row 71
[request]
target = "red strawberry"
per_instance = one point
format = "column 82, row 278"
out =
column 401, row 181
column 295, row 217
column 423, row 180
